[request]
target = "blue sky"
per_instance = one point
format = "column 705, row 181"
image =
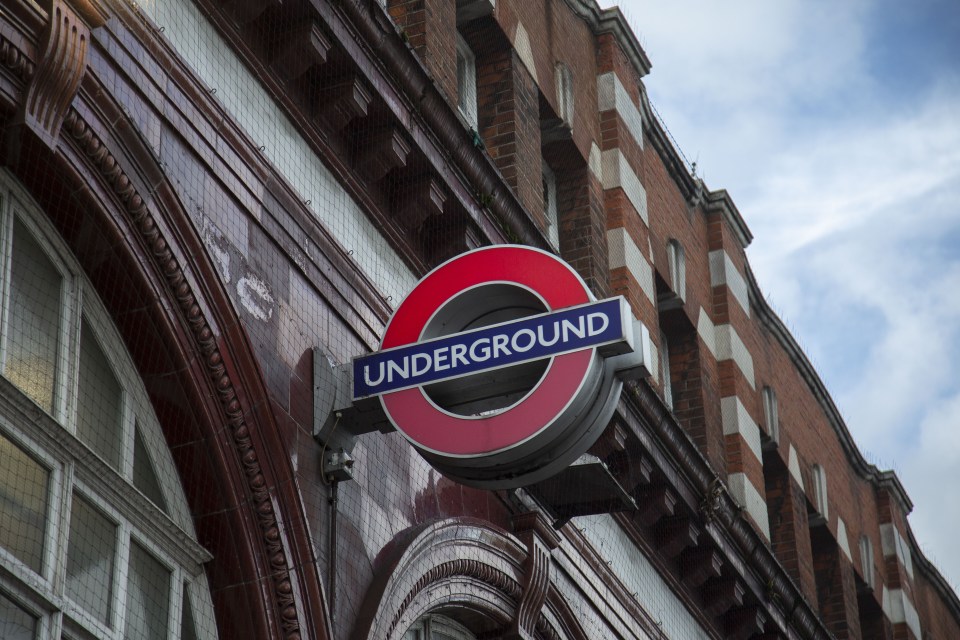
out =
column 836, row 129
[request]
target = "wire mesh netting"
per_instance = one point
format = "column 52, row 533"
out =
column 86, row 479
column 290, row 190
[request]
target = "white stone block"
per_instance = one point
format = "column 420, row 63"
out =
column 611, row 94
column 707, row 332
column 595, row 162
column 723, row 271
column 793, row 465
column 617, row 172
column 622, row 251
column 748, row 497
column 843, row 541
column 736, row 420
column 521, row 43
column 895, row 544
column 899, row 608
column 731, row 347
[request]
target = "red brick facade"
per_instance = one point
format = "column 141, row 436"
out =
column 243, row 292
column 859, row 497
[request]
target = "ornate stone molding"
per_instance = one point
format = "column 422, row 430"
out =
column 493, row 571
column 462, row 568
column 712, row 502
column 16, row 60
column 271, row 538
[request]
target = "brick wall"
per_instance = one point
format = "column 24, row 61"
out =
column 836, row 591
column 426, row 26
column 508, row 115
column 583, row 238
column 787, row 508
column 516, row 92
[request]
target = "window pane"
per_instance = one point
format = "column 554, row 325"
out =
column 415, row 632
column 444, row 628
column 98, row 411
column 34, row 328
column 92, row 548
column 24, row 485
column 188, row 628
column 148, row 595
column 15, row 623
column 144, row 477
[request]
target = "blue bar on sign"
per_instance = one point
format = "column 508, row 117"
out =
column 515, row 342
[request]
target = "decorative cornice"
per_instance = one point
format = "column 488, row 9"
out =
column 432, row 125
column 16, row 60
column 735, row 537
column 692, row 187
column 721, row 202
column 883, row 479
column 933, row 574
column 144, row 223
column 612, row 21
column 674, row 163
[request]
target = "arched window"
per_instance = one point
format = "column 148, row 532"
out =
column 866, row 560
column 771, row 413
column 665, row 370
column 550, row 207
column 96, row 538
column 564, row 81
column 466, row 82
column 677, row 263
column 819, row 477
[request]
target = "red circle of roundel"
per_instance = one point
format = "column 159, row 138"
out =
column 441, row 432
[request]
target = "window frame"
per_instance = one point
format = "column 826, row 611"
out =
column 551, row 209
column 677, row 266
column 16, row 205
column 467, row 84
column 566, row 97
column 43, row 579
column 771, row 413
column 423, row 627
column 818, row 476
column 665, row 370
column 867, row 560
column 50, row 438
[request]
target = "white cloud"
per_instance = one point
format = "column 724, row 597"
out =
column 850, row 184
column 932, row 473
column 736, row 53
column 853, row 218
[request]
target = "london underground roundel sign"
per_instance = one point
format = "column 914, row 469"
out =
column 500, row 367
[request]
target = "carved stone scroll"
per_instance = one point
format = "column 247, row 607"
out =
column 534, row 530
column 60, row 67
